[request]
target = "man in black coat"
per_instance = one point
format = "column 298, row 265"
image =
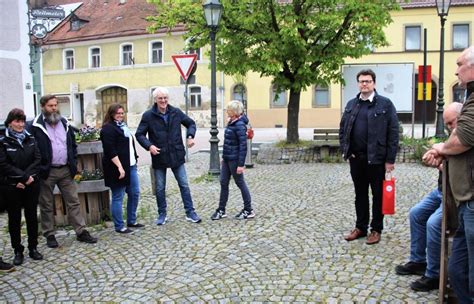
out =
column 56, row 141
column 368, row 135
column 162, row 123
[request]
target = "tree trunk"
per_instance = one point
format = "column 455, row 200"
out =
column 292, row 135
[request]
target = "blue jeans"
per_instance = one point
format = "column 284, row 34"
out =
column 461, row 261
column 228, row 169
column 182, row 179
column 425, row 232
column 133, row 196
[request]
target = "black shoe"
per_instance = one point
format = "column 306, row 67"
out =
column 86, row 237
column 124, row 231
column 136, row 225
column 411, row 268
column 425, row 284
column 51, row 241
column 218, row 215
column 18, row 259
column 35, row 255
column 6, row 267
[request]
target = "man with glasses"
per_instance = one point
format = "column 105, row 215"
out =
column 368, row 135
column 162, row 123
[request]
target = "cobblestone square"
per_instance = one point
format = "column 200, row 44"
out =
column 293, row 251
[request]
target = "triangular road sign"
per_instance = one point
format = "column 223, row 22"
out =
column 184, row 63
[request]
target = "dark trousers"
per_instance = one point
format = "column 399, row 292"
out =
column 26, row 199
column 228, row 169
column 364, row 175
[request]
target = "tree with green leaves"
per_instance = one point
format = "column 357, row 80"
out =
column 299, row 43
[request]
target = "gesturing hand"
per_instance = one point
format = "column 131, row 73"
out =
column 154, row 150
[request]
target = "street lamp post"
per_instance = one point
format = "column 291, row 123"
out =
column 213, row 12
column 443, row 8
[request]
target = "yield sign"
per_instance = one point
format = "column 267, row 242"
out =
column 184, row 63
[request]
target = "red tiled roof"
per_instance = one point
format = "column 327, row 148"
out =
column 432, row 3
column 106, row 19
column 110, row 18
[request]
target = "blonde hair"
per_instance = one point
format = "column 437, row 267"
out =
column 236, row 106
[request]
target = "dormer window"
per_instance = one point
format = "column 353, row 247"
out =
column 76, row 23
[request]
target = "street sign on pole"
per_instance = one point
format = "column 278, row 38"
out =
column 184, row 63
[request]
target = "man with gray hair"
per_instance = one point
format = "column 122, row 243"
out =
column 162, row 123
column 425, row 227
column 459, row 150
column 56, row 141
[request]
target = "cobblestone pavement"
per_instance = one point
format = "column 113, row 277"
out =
column 293, row 251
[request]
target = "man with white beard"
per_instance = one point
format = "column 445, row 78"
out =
column 56, row 141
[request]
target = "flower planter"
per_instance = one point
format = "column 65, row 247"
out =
column 93, row 194
column 89, row 147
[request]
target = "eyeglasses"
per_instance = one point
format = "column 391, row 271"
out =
column 365, row 81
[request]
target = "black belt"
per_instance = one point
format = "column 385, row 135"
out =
column 58, row 166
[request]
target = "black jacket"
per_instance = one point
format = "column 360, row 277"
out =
column 382, row 141
column 18, row 161
column 38, row 129
column 115, row 144
column 165, row 136
column 235, row 141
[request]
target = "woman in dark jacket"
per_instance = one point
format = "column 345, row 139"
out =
column 20, row 164
column 120, row 167
column 233, row 161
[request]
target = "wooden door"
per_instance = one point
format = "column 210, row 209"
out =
column 114, row 95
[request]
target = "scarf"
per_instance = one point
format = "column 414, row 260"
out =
column 124, row 127
column 19, row 136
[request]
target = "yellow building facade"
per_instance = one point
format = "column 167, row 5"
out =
column 89, row 75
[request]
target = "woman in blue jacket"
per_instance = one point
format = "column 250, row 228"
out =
column 20, row 165
column 233, row 161
column 120, row 167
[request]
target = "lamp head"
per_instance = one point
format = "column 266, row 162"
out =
column 443, row 7
column 212, row 12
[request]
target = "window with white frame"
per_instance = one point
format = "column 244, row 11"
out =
column 64, row 105
column 278, row 98
column 321, row 97
column 156, row 52
column 94, row 54
column 195, row 97
column 69, row 59
column 413, row 38
column 195, row 51
column 127, row 54
column 460, row 36
column 458, row 93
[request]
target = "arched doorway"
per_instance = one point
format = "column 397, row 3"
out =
column 114, row 95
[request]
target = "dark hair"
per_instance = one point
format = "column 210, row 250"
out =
column 15, row 114
column 111, row 111
column 46, row 98
column 366, row 72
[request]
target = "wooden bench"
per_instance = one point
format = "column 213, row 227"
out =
column 326, row 135
column 326, row 139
